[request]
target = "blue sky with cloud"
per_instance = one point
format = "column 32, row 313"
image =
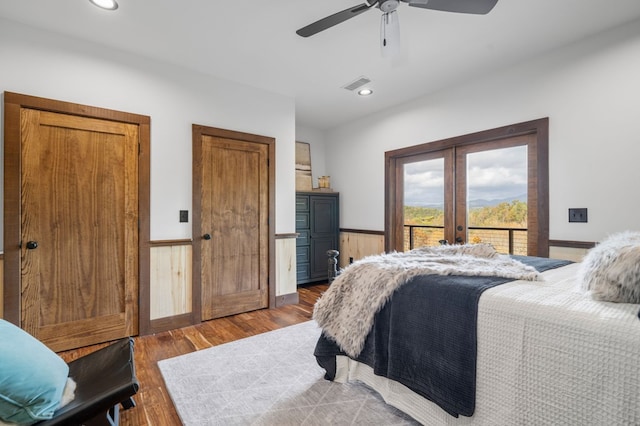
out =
column 491, row 175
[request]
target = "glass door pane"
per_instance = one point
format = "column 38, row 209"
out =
column 424, row 203
column 496, row 198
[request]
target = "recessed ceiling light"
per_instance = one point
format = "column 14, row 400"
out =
column 365, row 92
column 105, row 4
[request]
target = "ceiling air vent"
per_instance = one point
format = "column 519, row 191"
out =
column 361, row 81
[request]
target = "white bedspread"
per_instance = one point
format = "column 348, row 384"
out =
column 547, row 355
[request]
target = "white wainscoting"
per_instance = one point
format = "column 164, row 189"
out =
column 567, row 253
column 357, row 245
column 286, row 287
column 170, row 286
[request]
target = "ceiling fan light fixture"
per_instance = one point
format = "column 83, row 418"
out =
column 365, row 92
column 390, row 33
column 388, row 5
column 105, row 4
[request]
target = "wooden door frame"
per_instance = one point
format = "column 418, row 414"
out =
column 198, row 131
column 538, row 168
column 13, row 103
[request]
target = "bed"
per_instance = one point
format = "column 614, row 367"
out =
column 539, row 350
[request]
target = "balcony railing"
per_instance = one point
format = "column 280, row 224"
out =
column 504, row 240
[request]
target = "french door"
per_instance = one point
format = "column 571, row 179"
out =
column 488, row 187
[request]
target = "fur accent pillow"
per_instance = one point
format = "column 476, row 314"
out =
column 611, row 270
column 478, row 250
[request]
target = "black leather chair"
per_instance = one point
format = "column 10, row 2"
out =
column 105, row 380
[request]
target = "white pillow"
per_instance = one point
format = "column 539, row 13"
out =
column 611, row 270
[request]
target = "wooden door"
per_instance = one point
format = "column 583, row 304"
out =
column 79, row 233
column 232, row 231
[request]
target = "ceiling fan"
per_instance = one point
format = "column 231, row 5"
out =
column 389, row 27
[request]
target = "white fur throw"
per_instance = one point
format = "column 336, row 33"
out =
column 611, row 270
column 69, row 392
column 346, row 310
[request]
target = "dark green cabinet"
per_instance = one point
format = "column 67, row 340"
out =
column 318, row 228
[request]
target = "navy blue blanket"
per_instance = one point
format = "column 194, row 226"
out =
column 425, row 337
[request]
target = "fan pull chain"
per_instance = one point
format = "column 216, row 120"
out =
column 385, row 19
column 390, row 34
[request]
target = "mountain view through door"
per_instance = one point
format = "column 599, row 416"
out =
column 497, row 199
column 490, row 186
column 488, row 190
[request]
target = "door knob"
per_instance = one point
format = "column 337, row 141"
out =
column 32, row 245
column 206, row 237
column 458, row 239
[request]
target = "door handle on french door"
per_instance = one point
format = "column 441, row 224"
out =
column 206, row 237
column 32, row 245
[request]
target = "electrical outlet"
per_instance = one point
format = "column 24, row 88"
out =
column 184, row 215
column 577, row 215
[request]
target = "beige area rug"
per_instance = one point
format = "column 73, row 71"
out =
column 269, row 379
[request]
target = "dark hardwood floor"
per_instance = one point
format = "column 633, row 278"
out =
column 153, row 404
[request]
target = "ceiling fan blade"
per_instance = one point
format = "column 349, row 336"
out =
column 390, row 34
column 476, row 7
column 332, row 20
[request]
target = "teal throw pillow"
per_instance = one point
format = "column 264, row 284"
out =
column 32, row 377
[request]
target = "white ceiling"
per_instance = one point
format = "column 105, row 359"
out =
column 254, row 42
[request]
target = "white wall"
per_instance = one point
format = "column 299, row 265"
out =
column 590, row 91
column 43, row 64
column 315, row 139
